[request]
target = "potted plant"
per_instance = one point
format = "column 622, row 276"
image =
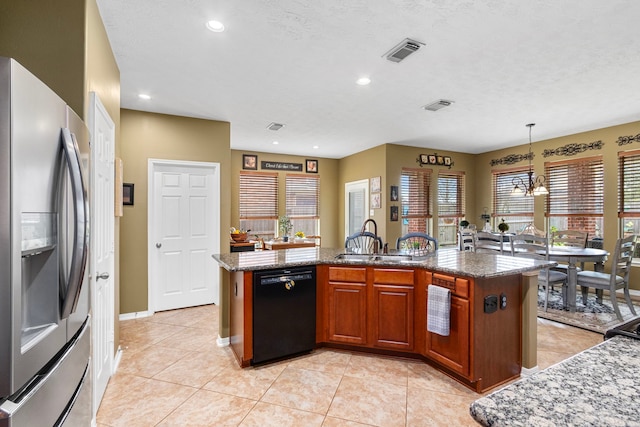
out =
column 503, row 226
column 284, row 226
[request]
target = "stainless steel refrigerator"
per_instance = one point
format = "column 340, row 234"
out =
column 44, row 242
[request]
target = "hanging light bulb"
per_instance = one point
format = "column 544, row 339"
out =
column 535, row 186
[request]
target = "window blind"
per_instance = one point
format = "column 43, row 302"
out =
column 575, row 187
column 451, row 194
column 416, row 193
column 302, row 196
column 258, row 195
column 629, row 184
column 504, row 204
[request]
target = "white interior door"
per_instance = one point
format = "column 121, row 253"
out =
column 356, row 205
column 184, row 226
column 102, row 267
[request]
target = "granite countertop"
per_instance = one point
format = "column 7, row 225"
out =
column 450, row 261
column 597, row 387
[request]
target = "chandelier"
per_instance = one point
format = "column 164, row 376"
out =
column 535, row 186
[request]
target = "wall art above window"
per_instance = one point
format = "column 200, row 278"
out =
column 434, row 159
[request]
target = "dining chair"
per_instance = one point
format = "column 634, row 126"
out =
column 466, row 239
column 569, row 238
column 490, row 242
column 537, row 247
column 417, row 243
column 618, row 278
column 362, row 242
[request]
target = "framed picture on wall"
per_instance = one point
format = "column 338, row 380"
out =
column 375, row 201
column 312, row 166
column 394, row 193
column 394, row 213
column 375, row 184
column 250, row 161
column 127, row 194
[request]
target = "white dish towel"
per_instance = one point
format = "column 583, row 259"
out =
column 438, row 310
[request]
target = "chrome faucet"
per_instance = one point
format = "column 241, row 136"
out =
column 376, row 249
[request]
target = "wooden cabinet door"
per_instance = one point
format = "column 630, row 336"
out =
column 347, row 315
column 393, row 317
column 453, row 351
column 241, row 316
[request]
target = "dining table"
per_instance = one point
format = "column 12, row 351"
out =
column 572, row 256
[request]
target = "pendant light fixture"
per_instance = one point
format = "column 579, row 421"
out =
column 535, row 186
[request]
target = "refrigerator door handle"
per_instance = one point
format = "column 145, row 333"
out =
column 81, row 229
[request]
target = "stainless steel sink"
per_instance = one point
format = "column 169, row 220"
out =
column 374, row 257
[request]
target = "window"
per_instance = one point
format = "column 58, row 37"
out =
column 259, row 203
column 517, row 211
column 576, row 195
column 450, row 206
column 629, row 194
column 415, row 196
column 303, row 196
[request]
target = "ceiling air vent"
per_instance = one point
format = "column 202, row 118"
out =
column 435, row 106
column 275, row 126
column 405, row 48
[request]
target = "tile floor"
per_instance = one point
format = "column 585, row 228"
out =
column 173, row 374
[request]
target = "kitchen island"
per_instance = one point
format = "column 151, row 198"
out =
column 379, row 305
column 597, row 387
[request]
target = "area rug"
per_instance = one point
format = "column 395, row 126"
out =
column 592, row 316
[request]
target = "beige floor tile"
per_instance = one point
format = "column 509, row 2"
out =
column 208, row 408
column 138, row 334
column 324, row 360
column 134, row 401
column 370, row 402
column 268, row 415
column 195, row 370
column 151, row 360
column 426, row 408
column 426, row 377
column 337, row 422
column 190, row 339
column 250, row 383
column 303, row 389
column 393, row 370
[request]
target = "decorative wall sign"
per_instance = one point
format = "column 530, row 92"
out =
column 511, row 159
column 434, row 159
column 573, row 149
column 624, row 140
column 281, row 166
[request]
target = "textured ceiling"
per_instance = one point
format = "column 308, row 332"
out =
column 568, row 65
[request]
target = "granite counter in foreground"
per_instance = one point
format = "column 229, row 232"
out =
column 597, row 387
column 444, row 260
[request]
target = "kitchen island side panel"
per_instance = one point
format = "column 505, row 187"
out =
column 497, row 340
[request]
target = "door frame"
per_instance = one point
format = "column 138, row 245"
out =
column 153, row 165
column 355, row 185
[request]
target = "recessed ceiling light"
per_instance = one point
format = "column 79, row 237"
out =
column 144, row 96
column 275, row 143
column 363, row 81
column 315, row 147
column 215, row 26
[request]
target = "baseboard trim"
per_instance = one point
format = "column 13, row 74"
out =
column 136, row 315
column 223, row 342
column 116, row 360
column 526, row 372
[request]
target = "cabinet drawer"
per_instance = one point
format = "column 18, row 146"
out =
column 458, row 287
column 347, row 274
column 391, row 276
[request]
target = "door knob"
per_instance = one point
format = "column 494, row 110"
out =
column 158, row 245
column 103, row 276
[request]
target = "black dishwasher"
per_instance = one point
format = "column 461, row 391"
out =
column 284, row 312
